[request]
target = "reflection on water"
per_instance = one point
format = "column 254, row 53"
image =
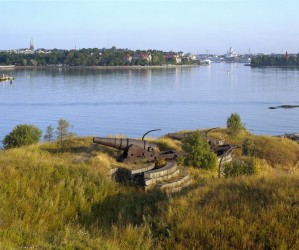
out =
column 131, row 101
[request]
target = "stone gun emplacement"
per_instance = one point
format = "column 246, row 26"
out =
column 134, row 150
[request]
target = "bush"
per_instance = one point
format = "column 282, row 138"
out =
column 22, row 135
column 198, row 153
column 234, row 124
column 250, row 166
column 248, row 147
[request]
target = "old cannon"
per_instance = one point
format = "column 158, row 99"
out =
column 135, row 150
column 212, row 142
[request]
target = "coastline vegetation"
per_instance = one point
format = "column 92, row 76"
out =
column 95, row 57
column 61, row 198
column 22, row 135
column 275, row 61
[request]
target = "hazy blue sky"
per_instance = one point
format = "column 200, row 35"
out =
column 178, row 25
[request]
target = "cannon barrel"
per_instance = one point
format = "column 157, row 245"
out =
column 124, row 143
column 177, row 136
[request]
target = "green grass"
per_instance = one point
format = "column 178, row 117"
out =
column 239, row 213
column 53, row 198
column 276, row 152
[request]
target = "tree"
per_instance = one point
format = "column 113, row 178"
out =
column 33, row 62
column 198, row 153
column 234, row 124
column 22, row 135
column 49, row 136
column 24, row 62
column 63, row 131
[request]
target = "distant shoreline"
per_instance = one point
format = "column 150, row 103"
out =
column 107, row 67
column 284, row 67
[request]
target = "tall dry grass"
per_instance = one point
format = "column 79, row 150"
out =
column 236, row 213
column 61, row 198
column 53, row 197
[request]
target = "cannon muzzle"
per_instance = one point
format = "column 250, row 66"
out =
column 124, row 143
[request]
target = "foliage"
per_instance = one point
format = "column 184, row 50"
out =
column 234, row 124
column 275, row 60
column 63, row 132
column 198, row 153
column 180, row 160
column 89, row 57
column 22, row 135
column 49, row 136
column 248, row 147
column 249, row 166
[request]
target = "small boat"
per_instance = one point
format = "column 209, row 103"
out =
column 4, row 77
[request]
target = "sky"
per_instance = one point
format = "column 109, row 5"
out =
column 196, row 26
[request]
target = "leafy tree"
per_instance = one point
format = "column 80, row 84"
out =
column 63, row 131
column 198, row 153
column 49, row 136
column 33, row 62
column 234, row 124
column 24, row 62
column 22, row 135
column 274, row 60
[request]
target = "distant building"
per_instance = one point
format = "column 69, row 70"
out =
column 31, row 47
column 173, row 57
column 142, row 56
column 231, row 54
column 189, row 57
column 128, row 58
column 29, row 50
column 42, row 51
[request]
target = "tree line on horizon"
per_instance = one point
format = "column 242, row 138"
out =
column 90, row 57
column 275, row 60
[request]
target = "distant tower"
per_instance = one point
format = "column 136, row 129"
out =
column 31, row 45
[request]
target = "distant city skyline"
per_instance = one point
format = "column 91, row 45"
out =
column 261, row 26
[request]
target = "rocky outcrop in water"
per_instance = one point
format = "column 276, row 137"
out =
column 285, row 107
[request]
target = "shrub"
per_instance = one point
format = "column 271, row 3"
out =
column 234, row 124
column 22, row 135
column 249, row 166
column 248, row 147
column 198, row 153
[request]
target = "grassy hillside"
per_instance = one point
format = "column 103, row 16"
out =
column 62, row 198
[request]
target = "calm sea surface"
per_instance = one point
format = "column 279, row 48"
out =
column 132, row 101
